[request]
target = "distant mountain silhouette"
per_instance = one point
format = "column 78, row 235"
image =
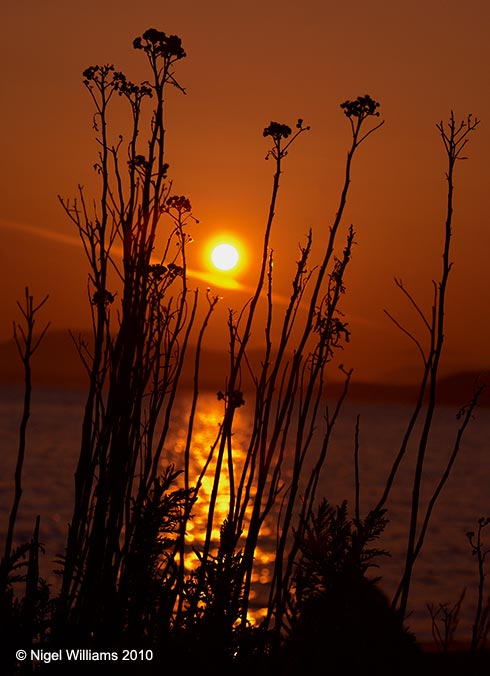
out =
column 57, row 363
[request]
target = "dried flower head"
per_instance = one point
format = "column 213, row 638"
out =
column 160, row 44
column 362, row 107
column 278, row 131
column 178, row 202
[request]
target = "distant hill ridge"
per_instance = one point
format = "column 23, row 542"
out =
column 57, row 363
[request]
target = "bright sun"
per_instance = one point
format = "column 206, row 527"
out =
column 224, row 256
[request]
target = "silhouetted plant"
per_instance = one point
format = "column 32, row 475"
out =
column 149, row 578
column 23, row 618
column 300, row 388
column 214, row 598
column 455, row 139
column 333, row 547
column 27, row 345
column 445, row 620
column 133, row 365
column 26, row 608
column 481, row 624
column 338, row 616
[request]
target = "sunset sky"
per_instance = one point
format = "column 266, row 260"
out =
column 247, row 64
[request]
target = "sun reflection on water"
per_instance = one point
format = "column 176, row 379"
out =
column 206, row 429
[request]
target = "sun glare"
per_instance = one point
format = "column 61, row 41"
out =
column 224, row 257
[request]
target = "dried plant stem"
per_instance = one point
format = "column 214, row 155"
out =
column 27, row 344
column 454, row 138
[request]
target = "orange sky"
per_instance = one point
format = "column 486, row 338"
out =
column 250, row 63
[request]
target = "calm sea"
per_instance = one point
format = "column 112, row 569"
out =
column 445, row 565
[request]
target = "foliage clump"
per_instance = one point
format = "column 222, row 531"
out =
column 338, row 615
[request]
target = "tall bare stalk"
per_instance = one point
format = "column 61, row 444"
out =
column 26, row 344
column 455, row 137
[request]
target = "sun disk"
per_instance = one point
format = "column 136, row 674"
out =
column 224, row 256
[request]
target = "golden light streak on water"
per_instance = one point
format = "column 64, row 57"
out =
column 208, row 419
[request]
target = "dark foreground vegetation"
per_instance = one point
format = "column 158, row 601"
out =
column 129, row 578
